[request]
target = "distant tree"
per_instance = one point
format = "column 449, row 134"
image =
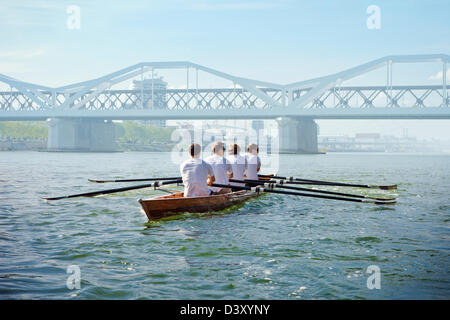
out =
column 137, row 133
column 24, row 130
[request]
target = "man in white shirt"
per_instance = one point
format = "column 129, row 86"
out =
column 221, row 167
column 195, row 172
column 253, row 162
column 238, row 163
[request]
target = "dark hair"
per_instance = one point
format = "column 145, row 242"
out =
column 234, row 149
column 194, row 149
column 252, row 146
column 217, row 146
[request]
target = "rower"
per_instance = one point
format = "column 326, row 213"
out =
column 221, row 167
column 253, row 162
column 238, row 163
column 195, row 172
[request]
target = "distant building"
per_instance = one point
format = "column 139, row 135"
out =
column 372, row 142
column 154, row 96
column 258, row 125
column 368, row 136
column 156, row 83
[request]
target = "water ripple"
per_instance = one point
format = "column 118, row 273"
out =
column 273, row 247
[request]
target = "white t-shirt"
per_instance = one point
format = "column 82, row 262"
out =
column 221, row 167
column 239, row 165
column 194, row 173
column 253, row 164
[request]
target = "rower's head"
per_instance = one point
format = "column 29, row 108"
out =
column 234, row 149
column 218, row 148
column 252, row 148
column 195, row 150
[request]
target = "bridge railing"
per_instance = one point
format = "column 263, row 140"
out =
column 172, row 99
column 236, row 99
column 378, row 96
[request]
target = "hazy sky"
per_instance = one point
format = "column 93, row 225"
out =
column 278, row 41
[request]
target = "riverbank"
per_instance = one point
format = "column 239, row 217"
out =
column 23, row 145
column 41, row 145
column 129, row 136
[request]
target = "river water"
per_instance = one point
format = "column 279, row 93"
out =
column 273, row 247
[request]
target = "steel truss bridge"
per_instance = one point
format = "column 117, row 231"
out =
column 318, row 98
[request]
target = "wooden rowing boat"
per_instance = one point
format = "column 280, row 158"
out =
column 168, row 205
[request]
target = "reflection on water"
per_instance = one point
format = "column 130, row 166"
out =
column 273, row 247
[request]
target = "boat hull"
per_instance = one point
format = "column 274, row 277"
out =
column 164, row 206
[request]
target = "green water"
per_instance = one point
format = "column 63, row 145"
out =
column 274, row 247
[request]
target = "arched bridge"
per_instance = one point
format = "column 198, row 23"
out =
column 319, row 98
column 79, row 110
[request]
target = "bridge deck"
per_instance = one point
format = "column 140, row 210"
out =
column 331, row 113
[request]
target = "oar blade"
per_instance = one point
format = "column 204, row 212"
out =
column 381, row 199
column 54, row 198
column 391, row 187
column 99, row 181
column 384, row 202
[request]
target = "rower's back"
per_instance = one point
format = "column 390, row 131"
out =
column 220, row 165
column 194, row 172
column 253, row 162
column 238, row 164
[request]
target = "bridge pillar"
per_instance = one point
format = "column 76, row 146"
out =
column 297, row 135
column 80, row 135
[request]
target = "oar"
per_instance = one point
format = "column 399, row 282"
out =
column 292, row 180
column 108, row 191
column 260, row 189
column 257, row 182
column 166, row 191
column 134, row 180
column 329, row 184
